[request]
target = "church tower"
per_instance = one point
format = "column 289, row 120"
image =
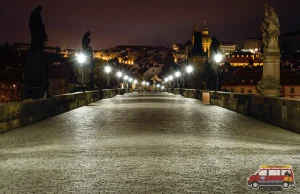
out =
column 196, row 30
column 197, row 41
column 206, row 39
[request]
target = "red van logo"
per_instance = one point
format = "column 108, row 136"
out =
column 272, row 175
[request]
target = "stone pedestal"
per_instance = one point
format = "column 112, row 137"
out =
column 270, row 82
column 35, row 76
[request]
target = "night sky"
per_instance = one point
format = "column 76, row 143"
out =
column 141, row 22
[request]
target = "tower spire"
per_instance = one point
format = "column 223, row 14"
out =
column 205, row 29
column 196, row 29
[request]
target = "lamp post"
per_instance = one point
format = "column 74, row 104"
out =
column 218, row 59
column 189, row 69
column 107, row 71
column 126, row 78
column 119, row 75
column 130, row 81
column 170, row 79
column 81, row 58
column 177, row 74
column 166, row 80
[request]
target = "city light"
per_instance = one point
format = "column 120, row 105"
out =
column 218, row 58
column 189, row 69
column 166, row 79
column 119, row 74
column 158, row 85
column 162, row 87
column 143, row 83
column 147, row 83
column 170, row 77
column 107, row 69
column 177, row 74
column 81, row 58
column 130, row 79
column 135, row 81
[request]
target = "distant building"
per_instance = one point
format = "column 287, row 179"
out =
column 152, row 71
column 26, row 47
column 227, row 46
column 206, row 40
column 245, row 82
column 252, row 44
column 242, row 59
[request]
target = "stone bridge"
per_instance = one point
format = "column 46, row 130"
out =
column 143, row 143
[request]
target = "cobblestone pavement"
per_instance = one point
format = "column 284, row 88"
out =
column 143, row 143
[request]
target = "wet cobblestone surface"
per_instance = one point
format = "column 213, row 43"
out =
column 143, row 143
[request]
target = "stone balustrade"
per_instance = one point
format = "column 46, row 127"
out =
column 16, row 114
column 281, row 112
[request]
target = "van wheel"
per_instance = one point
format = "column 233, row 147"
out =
column 285, row 185
column 255, row 185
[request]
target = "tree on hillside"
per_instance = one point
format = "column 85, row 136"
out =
column 169, row 62
column 208, row 77
column 214, row 48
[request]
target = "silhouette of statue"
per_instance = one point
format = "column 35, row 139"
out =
column 88, row 51
column 270, row 28
column 36, row 79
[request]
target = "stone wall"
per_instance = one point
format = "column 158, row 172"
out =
column 281, row 112
column 16, row 114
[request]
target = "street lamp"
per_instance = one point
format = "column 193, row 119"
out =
column 81, row 58
column 125, row 78
column 107, row 70
column 119, row 75
column 189, row 69
column 218, row 59
column 177, row 74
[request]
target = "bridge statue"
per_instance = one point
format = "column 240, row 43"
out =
column 36, row 76
column 270, row 82
column 88, row 51
column 270, row 30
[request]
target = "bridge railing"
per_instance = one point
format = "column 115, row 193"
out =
column 16, row 114
column 279, row 111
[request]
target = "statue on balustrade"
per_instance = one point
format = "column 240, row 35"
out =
column 270, row 29
column 36, row 76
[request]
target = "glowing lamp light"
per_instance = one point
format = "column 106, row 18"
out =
column 135, row 81
column 189, row 69
column 218, row 58
column 130, row 79
column 107, row 69
column 170, row 77
column 147, row 83
column 126, row 77
column 143, row 83
column 158, row 85
column 177, row 74
column 81, row 58
column 166, row 79
column 119, row 74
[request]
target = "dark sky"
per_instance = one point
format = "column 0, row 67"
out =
column 153, row 22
